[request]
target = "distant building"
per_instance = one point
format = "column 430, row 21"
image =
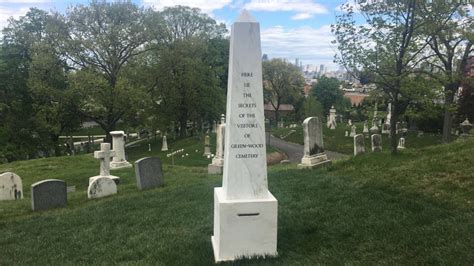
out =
column 356, row 98
column 284, row 110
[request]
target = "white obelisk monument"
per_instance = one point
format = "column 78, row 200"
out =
column 245, row 212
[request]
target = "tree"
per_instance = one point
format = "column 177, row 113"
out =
column 449, row 34
column 282, row 83
column 327, row 91
column 99, row 40
column 388, row 44
column 191, row 68
column 312, row 107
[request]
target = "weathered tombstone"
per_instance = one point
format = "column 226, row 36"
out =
column 374, row 129
column 386, row 125
column 376, row 140
column 401, row 144
column 365, row 131
column 11, row 186
column 48, row 194
column 119, row 147
column 349, row 122
column 353, row 131
column 359, row 145
column 207, row 146
column 148, row 173
column 101, row 187
column 164, row 147
column 313, row 144
column 217, row 164
column 346, row 133
column 465, row 128
column 332, row 118
column 104, row 156
column 245, row 212
column 280, row 124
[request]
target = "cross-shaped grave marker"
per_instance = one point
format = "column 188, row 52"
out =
column 104, row 156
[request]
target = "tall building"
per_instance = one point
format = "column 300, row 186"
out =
column 297, row 62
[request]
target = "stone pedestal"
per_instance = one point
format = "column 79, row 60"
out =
column 314, row 161
column 244, row 228
column 216, row 167
column 118, row 143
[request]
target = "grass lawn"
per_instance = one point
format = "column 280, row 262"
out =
column 335, row 140
column 414, row 208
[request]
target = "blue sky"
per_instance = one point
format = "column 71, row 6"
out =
column 289, row 28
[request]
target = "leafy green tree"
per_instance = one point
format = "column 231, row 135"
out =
column 312, row 107
column 450, row 36
column 327, row 91
column 388, row 43
column 282, row 83
column 99, row 40
column 190, row 71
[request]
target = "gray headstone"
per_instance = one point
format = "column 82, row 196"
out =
column 148, row 173
column 313, row 136
column 48, row 194
column 359, row 145
column 376, row 142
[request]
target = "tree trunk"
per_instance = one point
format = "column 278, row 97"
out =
column 393, row 126
column 276, row 117
column 448, row 116
column 182, row 130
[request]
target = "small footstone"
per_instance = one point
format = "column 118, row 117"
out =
column 101, row 187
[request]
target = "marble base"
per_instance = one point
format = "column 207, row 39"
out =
column 119, row 165
column 207, row 151
column 314, row 161
column 244, row 228
column 116, row 179
column 215, row 169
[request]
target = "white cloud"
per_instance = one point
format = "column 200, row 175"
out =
column 302, row 16
column 310, row 45
column 6, row 13
column 207, row 6
column 304, row 8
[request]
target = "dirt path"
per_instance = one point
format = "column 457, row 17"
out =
column 295, row 151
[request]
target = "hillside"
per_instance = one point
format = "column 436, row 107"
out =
column 415, row 208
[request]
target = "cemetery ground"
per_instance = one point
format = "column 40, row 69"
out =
column 334, row 140
column 413, row 208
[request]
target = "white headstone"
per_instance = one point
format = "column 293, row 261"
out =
column 245, row 212
column 359, row 145
column 313, row 144
column 332, row 118
column 101, row 187
column 401, row 144
column 104, row 156
column 217, row 164
column 119, row 147
column 353, row 131
column 11, row 186
column 376, row 141
column 165, row 144
column 346, row 133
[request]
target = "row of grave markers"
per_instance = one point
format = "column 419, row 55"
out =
column 52, row 193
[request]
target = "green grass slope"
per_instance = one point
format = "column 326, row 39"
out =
column 335, row 140
column 415, row 208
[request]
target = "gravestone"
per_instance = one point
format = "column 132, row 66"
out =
column 374, row 129
column 401, row 144
column 245, row 212
column 465, row 128
column 313, row 144
column 48, row 194
column 386, row 125
column 104, row 156
column 359, row 145
column 365, row 131
column 353, row 131
column 148, row 173
column 207, row 146
column 101, row 187
column 346, row 133
column 11, row 186
column 217, row 165
column 119, row 147
column 349, row 122
column 376, row 140
column 164, row 147
column 332, row 118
